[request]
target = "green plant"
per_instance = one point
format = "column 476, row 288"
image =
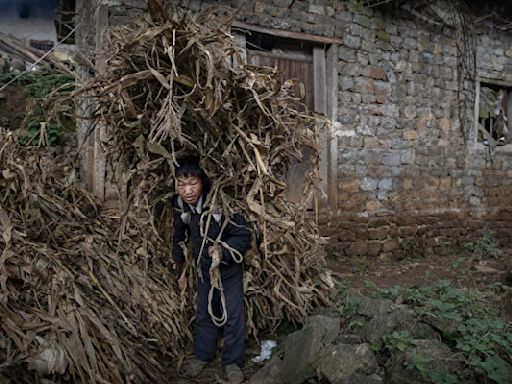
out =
column 350, row 305
column 44, row 84
column 338, row 293
column 495, row 369
column 421, row 364
column 38, row 84
column 398, row 340
column 481, row 336
column 458, row 263
column 361, row 269
column 52, row 134
column 483, row 247
column 357, row 5
column 390, row 293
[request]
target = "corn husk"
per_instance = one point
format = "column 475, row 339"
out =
column 90, row 295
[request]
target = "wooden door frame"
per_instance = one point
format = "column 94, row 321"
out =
column 326, row 102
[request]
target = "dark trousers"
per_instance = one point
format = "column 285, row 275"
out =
column 207, row 333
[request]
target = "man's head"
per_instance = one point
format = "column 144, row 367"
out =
column 191, row 181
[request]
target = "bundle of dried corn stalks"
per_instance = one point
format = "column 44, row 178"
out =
column 171, row 89
column 92, row 297
column 76, row 304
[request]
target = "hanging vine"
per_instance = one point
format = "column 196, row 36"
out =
column 465, row 42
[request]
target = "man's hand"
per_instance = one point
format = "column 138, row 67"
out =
column 215, row 252
column 214, row 249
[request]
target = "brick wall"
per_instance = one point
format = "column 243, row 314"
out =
column 408, row 181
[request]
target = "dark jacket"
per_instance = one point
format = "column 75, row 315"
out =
column 186, row 225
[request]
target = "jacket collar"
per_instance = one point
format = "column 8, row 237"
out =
column 198, row 208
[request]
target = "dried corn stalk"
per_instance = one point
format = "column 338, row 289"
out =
column 75, row 302
column 171, row 89
column 92, row 297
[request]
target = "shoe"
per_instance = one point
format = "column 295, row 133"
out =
column 195, row 367
column 501, row 141
column 234, row 374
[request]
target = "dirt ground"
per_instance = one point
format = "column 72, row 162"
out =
column 462, row 270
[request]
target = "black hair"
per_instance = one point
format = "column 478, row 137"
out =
column 189, row 167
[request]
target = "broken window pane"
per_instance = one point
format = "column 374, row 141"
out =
column 493, row 121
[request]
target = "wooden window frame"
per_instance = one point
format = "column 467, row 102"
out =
column 476, row 144
column 325, row 98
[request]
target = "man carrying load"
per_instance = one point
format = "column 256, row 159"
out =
column 218, row 244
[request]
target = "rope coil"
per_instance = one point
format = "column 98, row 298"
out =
column 216, row 283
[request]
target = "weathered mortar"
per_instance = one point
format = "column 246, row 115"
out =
column 406, row 179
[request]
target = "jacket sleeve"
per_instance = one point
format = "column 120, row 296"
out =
column 237, row 237
column 179, row 235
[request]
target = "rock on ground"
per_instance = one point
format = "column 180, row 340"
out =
column 303, row 348
column 271, row 373
column 401, row 318
column 344, row 363
column 371, row 307
column 422, row 355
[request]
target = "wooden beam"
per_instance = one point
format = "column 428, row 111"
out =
column 85, row 28
column 501, row 83
column 288, row 34
column 100, row 158
column 319, row 79
column 332, row 112
column 321, row 107
column 306, row 58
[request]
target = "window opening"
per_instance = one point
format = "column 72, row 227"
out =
column 42, row 45
column 493, row 114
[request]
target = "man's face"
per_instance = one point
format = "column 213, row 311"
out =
column 189, row 188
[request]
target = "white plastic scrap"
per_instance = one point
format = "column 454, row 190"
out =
column 266, row 351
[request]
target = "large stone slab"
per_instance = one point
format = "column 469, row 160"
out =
column 364, row 379
column 371, row 307
column 402, row 318
column 270, row 373
column 384, row 324
column 345, row 363
column 328, row 326
column 348, row 339
column 302, row 349
column 448, row 327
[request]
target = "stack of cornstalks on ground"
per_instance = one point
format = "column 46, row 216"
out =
column 93, row 297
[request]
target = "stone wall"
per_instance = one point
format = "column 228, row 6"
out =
column 405, row 170
column 411, row 177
